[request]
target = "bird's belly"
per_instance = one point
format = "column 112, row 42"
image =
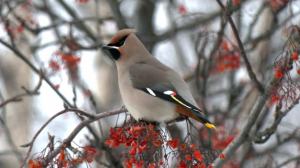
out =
column 149, row 108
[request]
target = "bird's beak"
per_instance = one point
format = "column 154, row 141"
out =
column 106, row 47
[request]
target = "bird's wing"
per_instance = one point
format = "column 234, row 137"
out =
column 163, row 84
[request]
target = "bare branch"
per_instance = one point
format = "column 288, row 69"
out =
column 80, row 25
column 21, row 56
column 288, row 161
column 251, row 74
column 10, row 141
column 240, row 138
column 18, row 98
column 67, row 141
column 263, row 136
column 115, row 7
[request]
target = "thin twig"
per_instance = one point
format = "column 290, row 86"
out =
column 76, row 130
column 263, row 136
column 80, row 25
column 21, row 56
column 18, row 98
column 75, row 21
column 240, row 138
column 288, row 161
column 10, row 141
column 67, row 141
column 251, row 74
column 26, row 60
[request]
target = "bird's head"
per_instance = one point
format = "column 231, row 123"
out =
column 117, row 45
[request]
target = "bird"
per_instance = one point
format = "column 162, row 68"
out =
column 151, row 91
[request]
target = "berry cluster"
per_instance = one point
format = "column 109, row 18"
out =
column 82, row 1
column 276, row 4
column 235, row 2
column 24, row 15
column 150, row 146
column 286, row 90
column 143, row 140
column 222, row 138
column 227, row 57
column 66, row 58
column 64, row 159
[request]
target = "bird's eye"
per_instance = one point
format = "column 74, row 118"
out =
column 122, row 41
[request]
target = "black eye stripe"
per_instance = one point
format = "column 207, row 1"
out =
column 120, row 43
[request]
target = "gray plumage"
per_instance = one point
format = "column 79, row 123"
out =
column 150, row 90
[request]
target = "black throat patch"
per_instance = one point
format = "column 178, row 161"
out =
column 115, row 53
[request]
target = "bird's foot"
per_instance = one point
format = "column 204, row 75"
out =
column 178, row 119
column 148, row 122
column 181, row 118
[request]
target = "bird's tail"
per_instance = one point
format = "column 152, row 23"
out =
column 204, row 120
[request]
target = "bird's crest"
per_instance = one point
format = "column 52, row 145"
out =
column 121, row 34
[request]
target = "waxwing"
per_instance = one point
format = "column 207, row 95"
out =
column 151, row 91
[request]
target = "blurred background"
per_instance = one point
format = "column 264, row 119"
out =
column 63, row 39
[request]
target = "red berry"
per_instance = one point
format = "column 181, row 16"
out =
column 134, row 144
column 182, row 9
column 188, row 157
column 132, row 160
column 157, row 143
column 65, row 163
column 182, row 147
column 278, row 75
column 222, row 156
column 274, row 99
column 295, row 56
column 277, row 70
column 132, row 151
column 236, row 2
column 160, row 163
column 128, row 165
column 193, row 146
column 89, row 160
column 152, row 165
column 198, row 156
column 150, row 127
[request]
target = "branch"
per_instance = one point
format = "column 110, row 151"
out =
column 208, row 65
column 263, row 136
column 68, row 140
column 251, row 74
column 10, row 141
column 21, row 56
column 18, row 98
column 91, row 118
column 94, row 46
column 24, row 23
column 115, row 8
column 75, row 21
column 266, row 35
column 80, row 25
column 251, row 119
column 288, row 161
column 252, row 24
column 279, row 141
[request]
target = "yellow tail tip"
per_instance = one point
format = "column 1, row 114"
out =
column 210, row 126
